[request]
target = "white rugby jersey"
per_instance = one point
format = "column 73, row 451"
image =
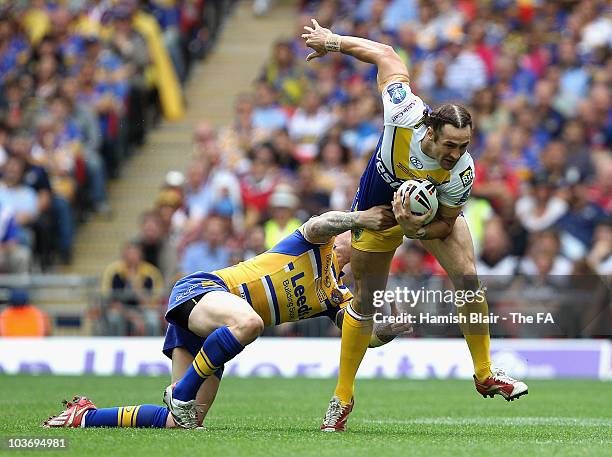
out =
column 400, row 157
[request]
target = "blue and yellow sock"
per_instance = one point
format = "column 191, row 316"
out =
column 220, row 346
column 127, row 416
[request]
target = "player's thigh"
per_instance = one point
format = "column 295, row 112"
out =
column 371, row 271
column 455, row 254
column 217, row 309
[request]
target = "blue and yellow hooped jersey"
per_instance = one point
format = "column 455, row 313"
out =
column 294, row 280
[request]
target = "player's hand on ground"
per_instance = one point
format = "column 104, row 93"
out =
column 315, row 39
column 408, row 221
column 377, row 218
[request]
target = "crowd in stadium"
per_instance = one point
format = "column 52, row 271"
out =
column 535, row 76
column 79, row 88
column 537, row 81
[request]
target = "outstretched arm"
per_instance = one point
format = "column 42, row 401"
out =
column 320, row 229
column 390, row 65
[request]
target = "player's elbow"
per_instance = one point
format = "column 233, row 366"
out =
column 387, row 52
column 314, row 230
column 446, row 231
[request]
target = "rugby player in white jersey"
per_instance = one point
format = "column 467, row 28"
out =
column 416, row 143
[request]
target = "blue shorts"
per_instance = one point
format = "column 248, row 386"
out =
column 190, row 287
column 177, row 337
column 193, row 286
column 374, row 190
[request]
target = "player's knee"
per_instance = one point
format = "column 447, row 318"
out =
column 363, row 307
column 469, row 270
column 248, row 327
column 465, row 277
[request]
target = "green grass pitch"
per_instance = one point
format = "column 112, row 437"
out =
column 280, row 417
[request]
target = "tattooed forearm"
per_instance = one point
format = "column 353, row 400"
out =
column 323, row 227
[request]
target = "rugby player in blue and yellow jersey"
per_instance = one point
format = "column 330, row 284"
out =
column 416, row 143
column 213, row 316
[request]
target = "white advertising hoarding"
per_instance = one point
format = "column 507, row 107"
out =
column 311, row 357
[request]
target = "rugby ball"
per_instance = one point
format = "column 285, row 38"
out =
column 422, row 196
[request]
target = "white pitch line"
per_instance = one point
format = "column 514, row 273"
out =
column 492, row 420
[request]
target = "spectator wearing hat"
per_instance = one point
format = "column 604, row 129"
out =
column 170, row 209
column 283, row 222
column 22, row 318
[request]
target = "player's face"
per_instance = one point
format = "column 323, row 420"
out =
column 450, row 144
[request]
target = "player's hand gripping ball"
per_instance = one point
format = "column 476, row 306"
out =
column 422, row 196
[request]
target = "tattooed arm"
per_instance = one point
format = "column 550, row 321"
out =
column 320, row 229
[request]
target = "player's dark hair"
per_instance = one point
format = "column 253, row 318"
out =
column 449, row 113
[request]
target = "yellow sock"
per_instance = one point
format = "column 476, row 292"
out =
column 479, row 348
column 477, row 338
column 356, row 333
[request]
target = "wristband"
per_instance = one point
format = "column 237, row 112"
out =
column 332, row 43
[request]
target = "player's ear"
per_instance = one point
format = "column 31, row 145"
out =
column 430, row 133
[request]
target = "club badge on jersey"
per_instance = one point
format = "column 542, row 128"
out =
column 397, row 93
